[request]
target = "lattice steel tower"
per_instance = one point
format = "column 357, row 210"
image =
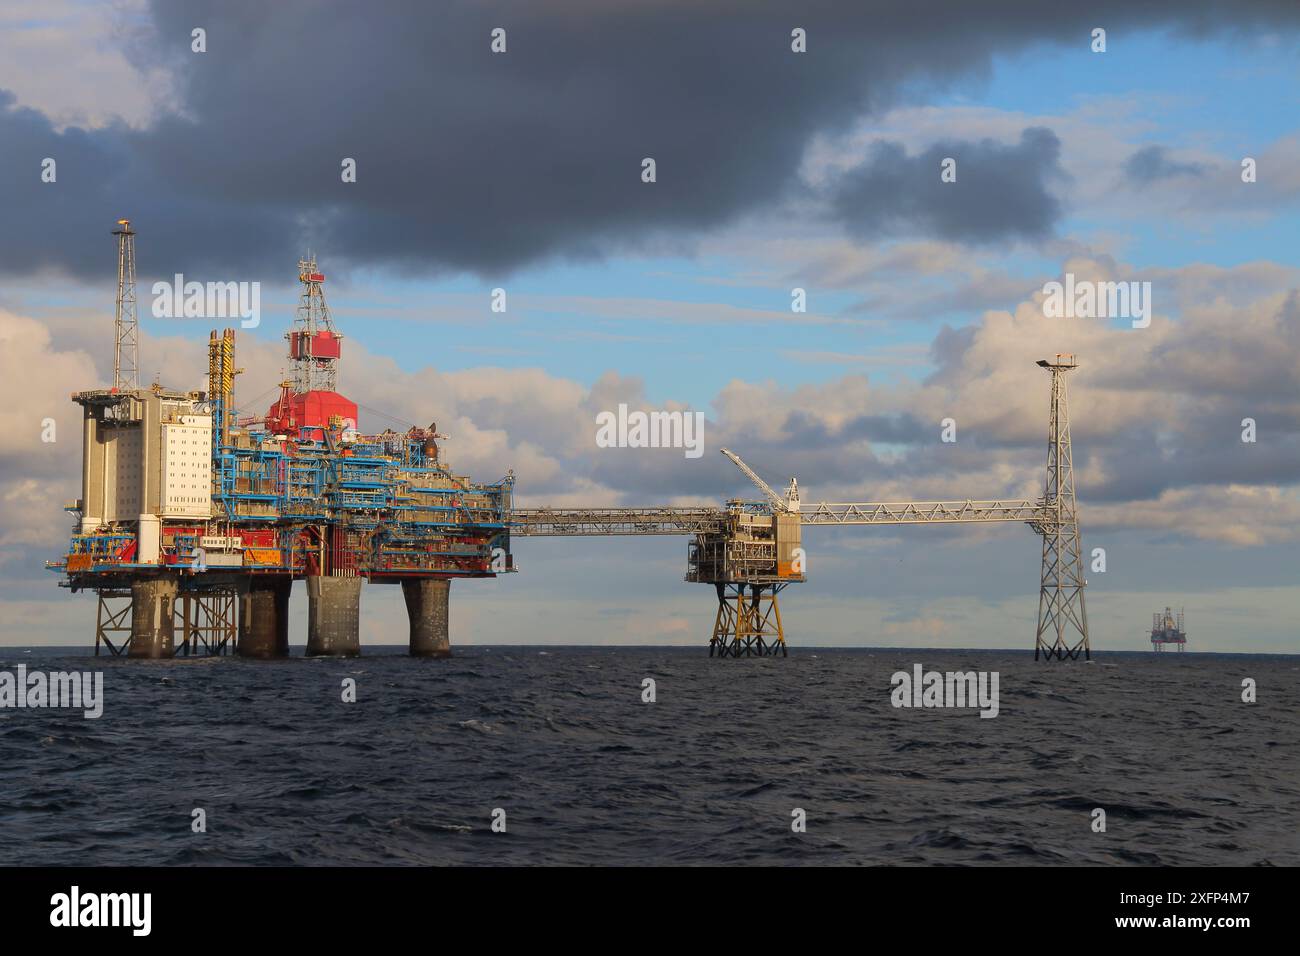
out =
column 1062, row 614
column 126, row 348
column 313, row 343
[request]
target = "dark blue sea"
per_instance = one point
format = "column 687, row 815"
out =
column 710, row 773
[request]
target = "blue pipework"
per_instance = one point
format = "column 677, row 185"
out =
column 369, row 487
column 318, row 484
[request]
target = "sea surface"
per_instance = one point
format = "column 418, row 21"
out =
column 711, row 772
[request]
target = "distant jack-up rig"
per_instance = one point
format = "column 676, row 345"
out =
column 1167, row 631
column 193, row 522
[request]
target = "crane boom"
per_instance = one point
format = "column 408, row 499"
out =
column 789, row 503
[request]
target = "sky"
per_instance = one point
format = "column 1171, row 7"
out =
column 775, row 170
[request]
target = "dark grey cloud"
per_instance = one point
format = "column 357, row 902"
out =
column 1152, row 163
column 469, row 160
column 1000, row 191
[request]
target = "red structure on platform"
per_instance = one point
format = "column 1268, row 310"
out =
column 322, row 345
column 292, row 412
column 310, row 401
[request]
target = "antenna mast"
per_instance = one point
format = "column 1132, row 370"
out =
column 126, row 338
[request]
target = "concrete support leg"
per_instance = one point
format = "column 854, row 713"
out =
column 264, row 618
column 426, row 605
column 333, row 616
column 153, row 603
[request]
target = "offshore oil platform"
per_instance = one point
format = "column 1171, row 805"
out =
column 194, row 522
column 1167, row 629
column 186, row 511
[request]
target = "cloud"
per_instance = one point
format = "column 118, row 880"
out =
column 1000, row 192
column 35, row 382
column 39, row 39
column 474, row 161
column 1100, row 136
column 1151, row 163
